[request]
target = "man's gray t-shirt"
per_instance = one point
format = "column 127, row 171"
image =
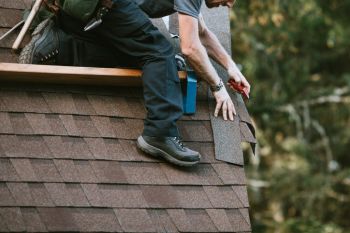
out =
column 160, row 8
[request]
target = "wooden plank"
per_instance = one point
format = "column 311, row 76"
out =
column 71, row 75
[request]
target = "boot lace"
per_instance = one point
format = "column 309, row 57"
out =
column 179, row 142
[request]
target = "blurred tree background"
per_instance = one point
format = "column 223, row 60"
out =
column 296, row 55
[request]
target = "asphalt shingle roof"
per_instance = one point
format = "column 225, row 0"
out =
column 68, row 162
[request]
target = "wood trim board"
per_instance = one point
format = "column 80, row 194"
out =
column 72, row 75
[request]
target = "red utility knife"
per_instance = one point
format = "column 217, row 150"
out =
column 239, row 88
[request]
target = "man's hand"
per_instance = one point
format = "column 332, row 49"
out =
column 235, row 74
column 224, row 102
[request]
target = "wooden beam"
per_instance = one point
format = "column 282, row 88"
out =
column 72, row 75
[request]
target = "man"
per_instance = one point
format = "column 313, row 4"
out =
column 127, row 32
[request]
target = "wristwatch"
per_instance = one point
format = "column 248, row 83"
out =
column 217, row 87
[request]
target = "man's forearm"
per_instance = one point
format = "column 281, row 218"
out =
column 216, row 51
column 199, row 60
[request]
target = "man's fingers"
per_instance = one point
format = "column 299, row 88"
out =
column 217, row 108
column 231, row 110
column 224, row 110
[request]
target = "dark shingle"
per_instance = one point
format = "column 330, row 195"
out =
column 56, row 124
column 15, row 101
column 202, row 113
column 103, row 105
column 58, row 219
column 200, row 221
column 22, row 194
column 223, row 197
column 6, row 198
column 241, row 192
column 20, row 123
column 3, row 225
column 68, row 147
column 192, row 197
column 144, row 173
column 104, row 126
column 116, row 149
column 98, row 148
column 11, row 146
column 32, row 220
column 82, row 105
column 127, row 128
column 34, row 147
column 60, row 103
column 39, row 123
column 96, row 220
column 180, row 219
column 220, row 219
column 239, row 219
column 136, row 108
column 69, row 125
column 40, row 195
column 122, row 107
column 14, row 4
column 85, row 172
column 67, row 194
column 134, row 220
column 85, row 126
column 162, row 221
column 45, row 170
column 202, row 174
column 2, row 152
column 58, row 194
column 5, row 124
column 94, row 195
column 159, row 196
column 205, row 149
column 123, row 196
column 37, row 103
column 13, row 219
column 133, row 153
column 197, row 131
column 7, row 171
column 109, row 172
column 76, row 195
column 246, row 133
column 67, row 170
column 230, row 174
column 24, row 169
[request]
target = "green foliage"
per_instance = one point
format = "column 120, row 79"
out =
column 296, row 54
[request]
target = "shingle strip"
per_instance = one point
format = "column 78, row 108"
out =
column 134, row 220
column 7, row 171
column 239, row 219
column 5, row 124
column 60, row 102
column 32, row 220
column 22, row 194
column 13, row 219
column 6, row 199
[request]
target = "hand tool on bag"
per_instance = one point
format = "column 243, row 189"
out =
column 11, row 30
column 97, row 20
column 27, row 24
column 106, row 5
column 239, row 88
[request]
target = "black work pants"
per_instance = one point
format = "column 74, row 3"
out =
column 132, row 40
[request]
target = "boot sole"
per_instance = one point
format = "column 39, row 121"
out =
column 26, row 55
column 156, row 152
